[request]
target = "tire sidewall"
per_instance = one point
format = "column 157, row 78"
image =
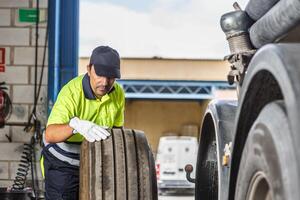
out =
column 269, row 150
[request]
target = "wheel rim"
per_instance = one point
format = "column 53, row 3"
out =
column 259, row 188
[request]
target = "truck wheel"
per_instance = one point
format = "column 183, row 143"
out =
column 206, row 183
column 266, row 170
column 121, row 167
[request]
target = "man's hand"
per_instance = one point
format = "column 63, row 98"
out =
column 90, row 131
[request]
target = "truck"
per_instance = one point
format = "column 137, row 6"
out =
column 249, row 147
column 173, row 153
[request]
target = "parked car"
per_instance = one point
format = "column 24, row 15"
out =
column 174, row 152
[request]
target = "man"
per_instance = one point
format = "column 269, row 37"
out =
column 84, row 109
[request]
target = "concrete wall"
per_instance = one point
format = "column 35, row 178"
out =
column 169, row 69
column 18, row 39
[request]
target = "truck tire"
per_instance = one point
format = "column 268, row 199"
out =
column 266, row 169
column 121, row 167
column 206, row 183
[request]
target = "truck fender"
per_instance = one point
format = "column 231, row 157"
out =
column 216, row 131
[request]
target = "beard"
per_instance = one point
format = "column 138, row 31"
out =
column 103, row 89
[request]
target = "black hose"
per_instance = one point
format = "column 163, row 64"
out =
column 43, row 64
column 23, row 169
column 257, row 8
column 35, row 88
column 36, row 55
column 37, row 91
column 280, row 19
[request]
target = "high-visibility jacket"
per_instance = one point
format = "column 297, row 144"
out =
column 76, row 99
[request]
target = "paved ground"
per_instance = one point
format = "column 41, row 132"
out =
column 178, row 194
column 175, row 197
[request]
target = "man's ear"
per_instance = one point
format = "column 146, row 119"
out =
column 88, row 68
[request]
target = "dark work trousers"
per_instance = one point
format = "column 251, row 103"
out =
column 61, row 178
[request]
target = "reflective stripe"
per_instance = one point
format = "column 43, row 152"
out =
column 42, row 166
column 44, row 138
column 61, row 157
column 72, row 148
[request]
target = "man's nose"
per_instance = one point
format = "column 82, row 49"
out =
column 105, row 80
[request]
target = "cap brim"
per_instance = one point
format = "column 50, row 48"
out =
column 107, row 71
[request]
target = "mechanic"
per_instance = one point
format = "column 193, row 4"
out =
column 86, row 107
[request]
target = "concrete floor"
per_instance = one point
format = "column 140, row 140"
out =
column 176, row 197
column 182, row 194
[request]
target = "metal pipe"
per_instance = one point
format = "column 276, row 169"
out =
column 69, row 40
column 54, row 51
column 235, row 26
column 236, row 6
column 63, row 22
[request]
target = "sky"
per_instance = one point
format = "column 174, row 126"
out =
column 177, row 29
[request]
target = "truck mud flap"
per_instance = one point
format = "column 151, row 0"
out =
column 121, row 167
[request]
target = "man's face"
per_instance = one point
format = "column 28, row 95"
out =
column 100, row 85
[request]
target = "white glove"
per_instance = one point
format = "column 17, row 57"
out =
column 90, row 131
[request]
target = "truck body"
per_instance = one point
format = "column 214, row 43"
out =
column 248, row 148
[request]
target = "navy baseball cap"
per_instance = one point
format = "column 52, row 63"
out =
column 106, row 62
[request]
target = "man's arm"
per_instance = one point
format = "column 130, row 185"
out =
column 61, row 132
column 58, row 133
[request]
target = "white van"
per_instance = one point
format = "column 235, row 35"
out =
column 174, row 152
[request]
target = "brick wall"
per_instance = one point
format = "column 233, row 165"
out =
column 18, row 39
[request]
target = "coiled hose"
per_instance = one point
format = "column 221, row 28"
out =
column 24, row 167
